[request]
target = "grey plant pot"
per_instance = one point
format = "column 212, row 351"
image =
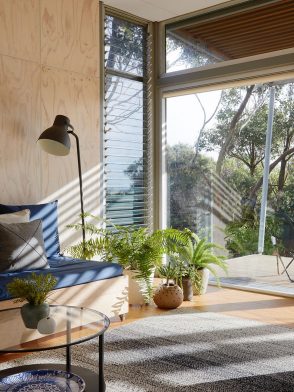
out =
column 187, row 289
column 32, row 314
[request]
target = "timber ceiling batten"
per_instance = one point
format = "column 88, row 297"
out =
column 247, row 33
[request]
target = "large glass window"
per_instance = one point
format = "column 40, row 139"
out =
column 215, row 171
column 126, row 125
column 230, row 34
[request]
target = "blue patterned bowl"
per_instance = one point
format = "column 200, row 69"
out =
column 42, row 381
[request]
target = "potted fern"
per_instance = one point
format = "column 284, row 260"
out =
column 35, row 290
column 199, row 260
column 138, row 250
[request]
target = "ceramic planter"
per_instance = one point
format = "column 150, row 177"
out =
column 168, row 297
column 46, row 326
column 204, row 275
column 137, row 288
column 32, row 314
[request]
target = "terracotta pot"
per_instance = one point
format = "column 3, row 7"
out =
column 137, row 288
column 168, row 297
column 32, row 314
column 187, row 289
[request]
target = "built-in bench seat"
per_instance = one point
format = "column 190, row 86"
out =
column 97, row 285
column 68, row 272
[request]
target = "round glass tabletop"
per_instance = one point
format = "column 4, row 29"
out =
column 71, row 325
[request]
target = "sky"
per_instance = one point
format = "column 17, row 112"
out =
column 185, row 116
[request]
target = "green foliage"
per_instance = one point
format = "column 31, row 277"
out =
column 183, row 54
column 241, row 170
column 128, row 54
column 134, row 248
column 34, row 289
column 238, row 177
column 139, row 250
column 242, row 235
column 187, row 259
column 169, row 272
column 177, row 269
column 188, row 183
column 198, row 254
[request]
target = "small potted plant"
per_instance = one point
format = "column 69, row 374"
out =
column 35, row 290
column 169, row 294
column 198, row 260
column 188, row 277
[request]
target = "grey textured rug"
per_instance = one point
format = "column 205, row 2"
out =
column 184, row 350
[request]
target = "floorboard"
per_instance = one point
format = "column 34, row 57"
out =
column 261, row 307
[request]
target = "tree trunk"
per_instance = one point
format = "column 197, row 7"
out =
column 232, row 130
column 282, row 175
column 252, row 159
column 272, row 166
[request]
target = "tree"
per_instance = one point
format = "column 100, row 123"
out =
column 226, row 145
column 240, row 131
column 182, row 53
column 236, row 109
column 189, row 189
column 283, row 139
column 125, row 46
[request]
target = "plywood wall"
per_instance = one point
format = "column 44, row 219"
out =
column 49, row 64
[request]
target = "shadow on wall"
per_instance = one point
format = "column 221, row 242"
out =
column 69, row 203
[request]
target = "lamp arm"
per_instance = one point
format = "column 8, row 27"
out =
column 81, row 184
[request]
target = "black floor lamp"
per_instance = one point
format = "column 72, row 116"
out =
column 55, row 140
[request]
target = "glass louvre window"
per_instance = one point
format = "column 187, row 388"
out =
column 126, row 127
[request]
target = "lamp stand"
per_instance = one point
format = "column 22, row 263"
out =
column 81, row 185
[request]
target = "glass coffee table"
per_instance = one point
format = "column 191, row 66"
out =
column 73, row 325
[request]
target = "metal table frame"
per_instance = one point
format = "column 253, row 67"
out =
column 92, row 382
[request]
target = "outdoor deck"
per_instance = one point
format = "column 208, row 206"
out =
column 258, row 273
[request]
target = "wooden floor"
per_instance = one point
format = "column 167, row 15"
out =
column 266, row 308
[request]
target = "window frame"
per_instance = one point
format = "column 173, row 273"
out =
column 270, row 66
column 233, row 6
column 148, row 112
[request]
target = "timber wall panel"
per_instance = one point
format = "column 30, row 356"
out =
column 19, row 125
column 20, row 29
column 70, row 35
column 49, row 65
column 63, row 92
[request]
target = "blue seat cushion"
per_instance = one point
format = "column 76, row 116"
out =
column 68, row 272
column 48, row 214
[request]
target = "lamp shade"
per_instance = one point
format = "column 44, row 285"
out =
column 55, row 140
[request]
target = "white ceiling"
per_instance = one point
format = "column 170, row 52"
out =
column 157, row 10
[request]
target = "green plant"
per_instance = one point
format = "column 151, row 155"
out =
column 34, row 289
column 196, row 255
column 176, row 270
column 134, row 248
column 98, row 243
column 242, row 235
column 169, row 272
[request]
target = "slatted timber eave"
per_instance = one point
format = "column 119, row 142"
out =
column 251, row 32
